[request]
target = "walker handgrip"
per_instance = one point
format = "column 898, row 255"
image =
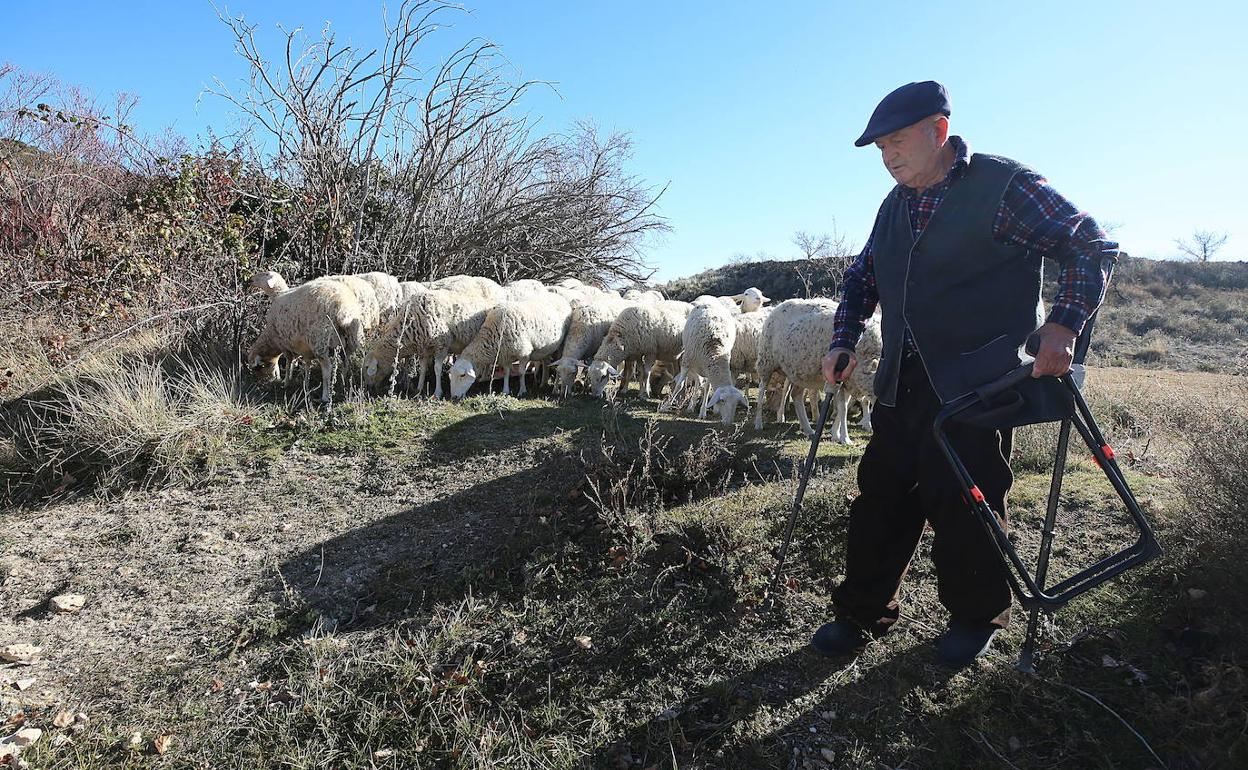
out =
column 842, row 361
column 1033, row 344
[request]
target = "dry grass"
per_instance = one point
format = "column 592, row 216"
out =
column 139, row 413
column 463, row 548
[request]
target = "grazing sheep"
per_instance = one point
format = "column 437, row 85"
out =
column 590, row 321
column 319, row 320
column 641, row 334
column 386, row 287
column 794, row 339
column 524, row 331
column 428, row 327
column 861, row 383
column 409, row 289
column 274, row 285
column 745, row 348
column 524, row 289
column 648, row 297
column 471, row 284
column 707, row 341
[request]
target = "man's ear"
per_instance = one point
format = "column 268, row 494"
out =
column 941, row 126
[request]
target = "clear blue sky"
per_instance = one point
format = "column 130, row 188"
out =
column 1135, row 110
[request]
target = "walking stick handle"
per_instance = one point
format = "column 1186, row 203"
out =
column 842, row 361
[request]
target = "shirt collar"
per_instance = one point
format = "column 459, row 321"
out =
column 961, row 159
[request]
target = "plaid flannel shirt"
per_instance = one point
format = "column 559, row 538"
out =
column 1033, row 216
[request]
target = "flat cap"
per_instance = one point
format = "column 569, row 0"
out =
column 904, row 106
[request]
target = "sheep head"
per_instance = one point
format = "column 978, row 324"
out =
column 463, row 375
column 751, row 300
column 566, row 369
column 726, row 400
column 269, row 282
column 263, row 366
column 599, row 374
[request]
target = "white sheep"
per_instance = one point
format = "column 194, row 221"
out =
column 649, row 296
column 524, row 331
column 641, row 334
column 794, row 338
column 321, row 319
column 751, row 300
column 590, row 321
column 409, row 289
column 387, row 288
column 524, row 289
column 745, row 347
column 707, row 341
column 471, row 284
column 273, row 284
column 429, row 327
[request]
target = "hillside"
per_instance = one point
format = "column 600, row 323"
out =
column 1160, row 314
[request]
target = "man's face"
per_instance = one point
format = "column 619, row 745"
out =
column 911, row 153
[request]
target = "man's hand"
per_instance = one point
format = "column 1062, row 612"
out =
column 829, row 365
column 1057, row 348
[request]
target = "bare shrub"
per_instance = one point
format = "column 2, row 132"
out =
column 825, row 258
column 1215, row 482
column 385, row 160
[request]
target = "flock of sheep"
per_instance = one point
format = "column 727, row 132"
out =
column 573, row 330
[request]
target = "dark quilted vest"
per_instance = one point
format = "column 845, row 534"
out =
column 969, row 302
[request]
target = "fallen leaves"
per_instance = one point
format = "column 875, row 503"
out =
column 584, row 642
column 161, row 743
column 24, row 684
column 63, row 719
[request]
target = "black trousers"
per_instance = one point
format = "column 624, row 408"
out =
column 904, row 480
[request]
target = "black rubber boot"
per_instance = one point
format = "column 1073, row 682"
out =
column 840, row 637
column 962, row 643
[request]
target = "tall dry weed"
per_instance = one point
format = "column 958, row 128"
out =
column 117, row 420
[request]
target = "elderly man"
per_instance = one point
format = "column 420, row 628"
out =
column 954, row 262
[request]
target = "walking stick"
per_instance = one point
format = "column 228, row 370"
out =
column 804, row 476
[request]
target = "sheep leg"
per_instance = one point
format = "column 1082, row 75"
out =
column 524, row 367
column 507, row 380
column 706, row 397
column 328, row 367
column 799, row 406
column 423, row 363
column 840, row 431
column 785, row 393
column 438, row 362
column 764, row 376
column 865, row 422
column 647, row 363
